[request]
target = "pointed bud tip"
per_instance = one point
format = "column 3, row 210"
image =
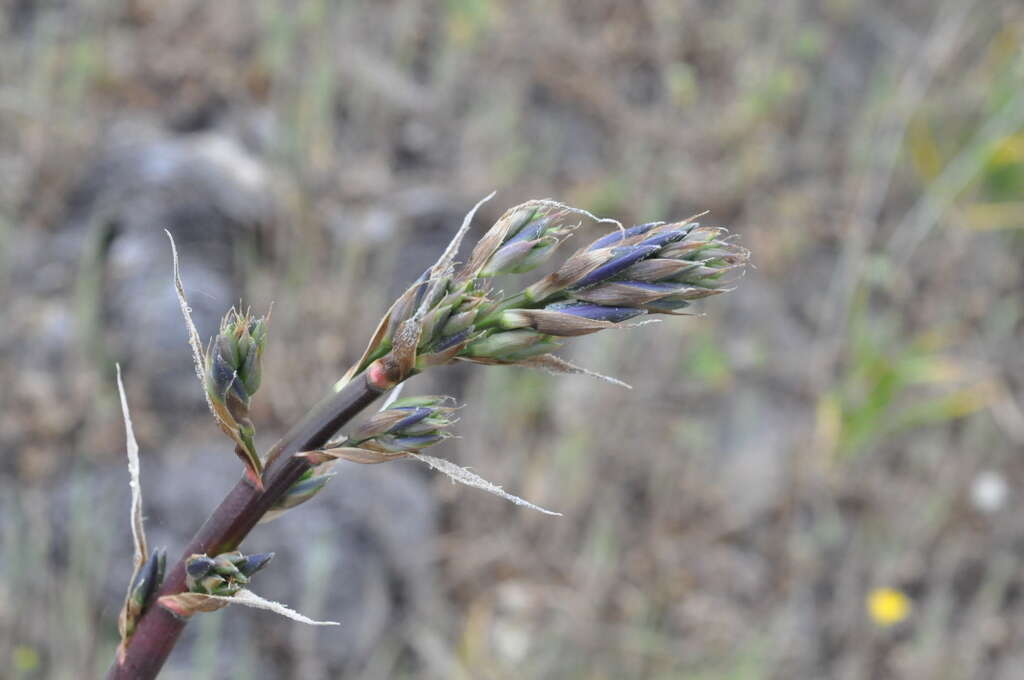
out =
column 253, row 563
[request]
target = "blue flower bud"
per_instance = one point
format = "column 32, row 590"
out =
column 617, row 236
column 250, row 564
column 621, row 258
column 416, row 414
column 530, row 232
column 198, row 566
column 585, row 310
column 665, row 237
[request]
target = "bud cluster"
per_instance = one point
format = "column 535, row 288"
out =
column 435, row 319
column 224, row 574
column 233, row 374
column 532, row 234
column 653, row 268
column 649, row 268
column 408, row 426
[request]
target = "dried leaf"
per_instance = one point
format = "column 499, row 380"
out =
column 378, row 336
column 403, row 352
column 187, row 604
column 251, row 599
column 442, row 269
column 577, row 211
column 193, row 334
column 469, row 478
column 559, row 366
column 138, row 528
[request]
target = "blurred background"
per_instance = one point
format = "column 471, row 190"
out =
column 821, row 478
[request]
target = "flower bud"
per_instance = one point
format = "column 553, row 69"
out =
column 619, row 260
column 628, row 293
column 224, row 574
column 519, row 219
column 568, row 318
column 307, row 486
column 508, row 258
column 658, row 269
column 665, row 237
column 688, row 293
column 459, row 321
column 500, row 345
column 666, row 306
column 224, row 564
column 527, row 248
column 444, row 344
column 396, row 443
column 409, row 425
column 429, row 400
column 614, row 237
column 250, row 564
column 198, row 566
column 233, row 373
column 147, row 582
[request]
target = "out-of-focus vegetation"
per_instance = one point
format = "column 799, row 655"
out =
column 849, row 420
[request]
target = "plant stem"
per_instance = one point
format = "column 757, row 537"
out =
column 158, row 629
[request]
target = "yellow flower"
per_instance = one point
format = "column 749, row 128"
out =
column 888, row 606
column 25, row 658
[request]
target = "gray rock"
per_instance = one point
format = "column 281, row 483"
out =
column 212, row 195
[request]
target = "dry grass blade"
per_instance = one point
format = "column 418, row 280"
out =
column 193, row 334
column 442, row 269
column 464, row 476
column 251, row 599
column 187, row 604
column 559, row 366
column 138, row 528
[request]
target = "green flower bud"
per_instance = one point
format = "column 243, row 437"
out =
column 250, row 564
column 501, row 345
column 147, row 582
column 224, row 574
column 307, row 486
column 233, row 374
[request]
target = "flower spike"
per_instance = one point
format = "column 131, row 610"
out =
column 233, row 374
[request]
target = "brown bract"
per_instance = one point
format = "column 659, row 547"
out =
column 549, row 322
column 579, row 264
column 512, row 220
column 353, row 454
